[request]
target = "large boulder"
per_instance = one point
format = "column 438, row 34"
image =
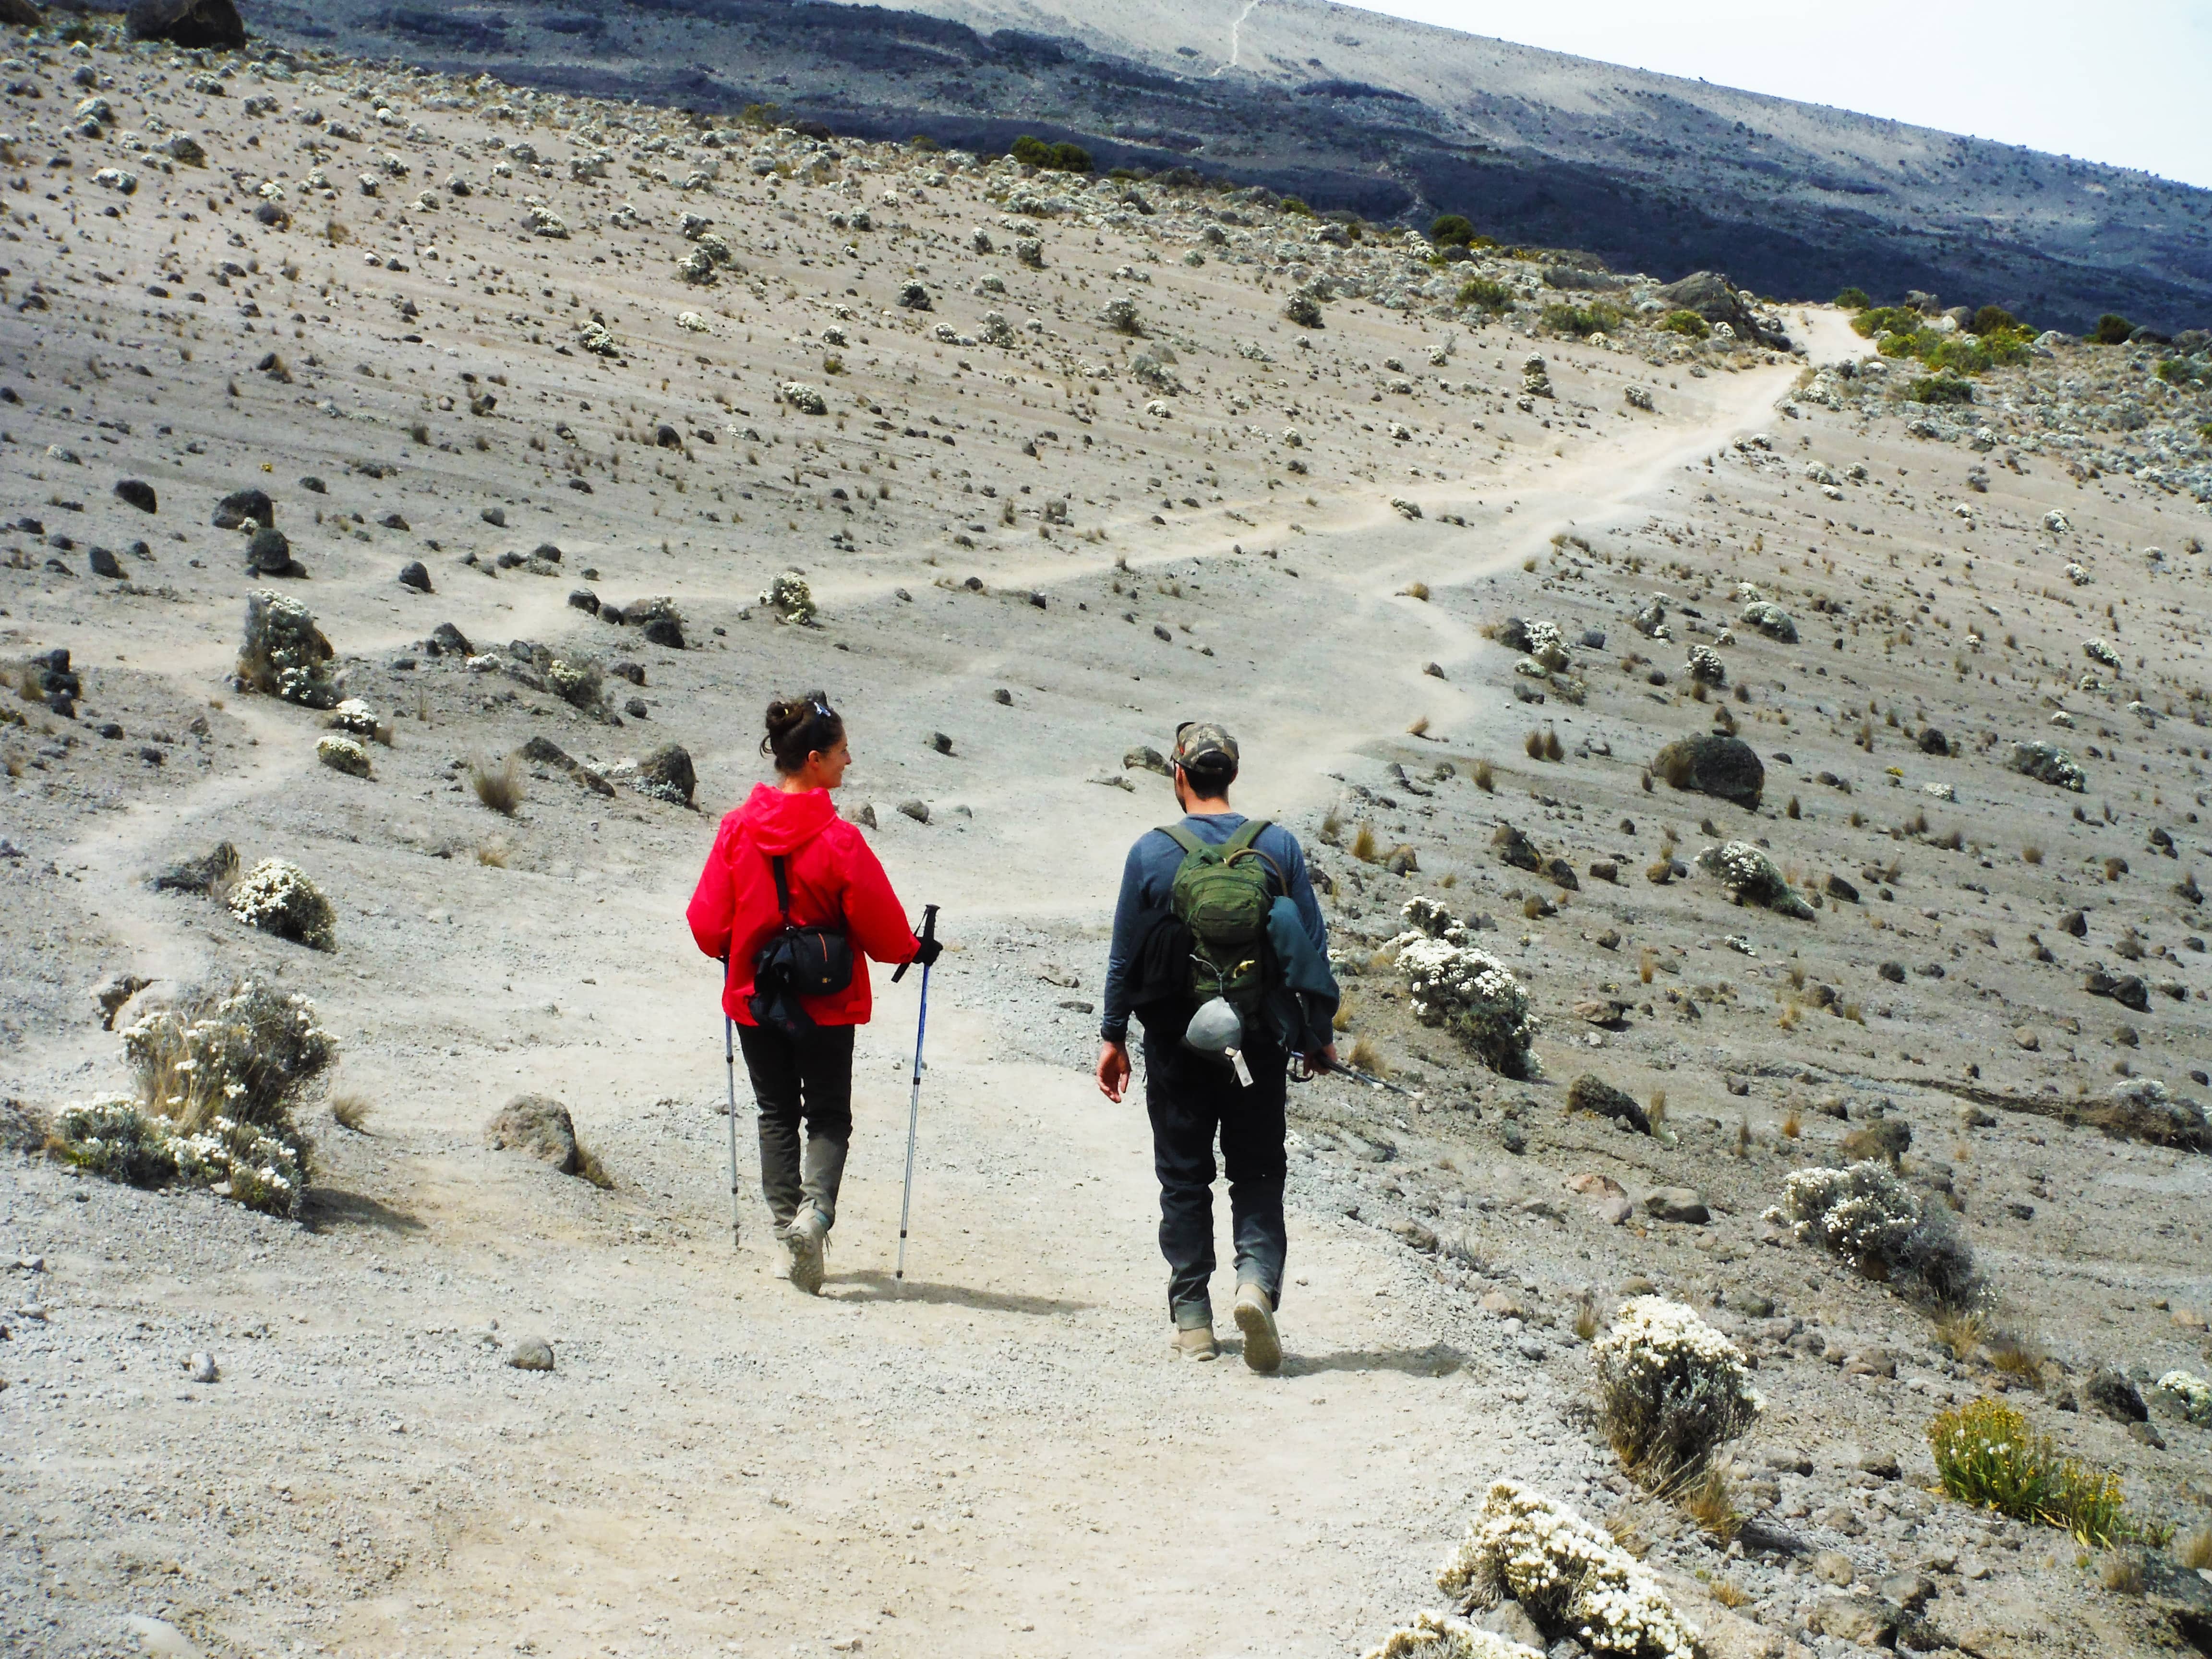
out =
column 204, row 25
column 1715, row 299
column 666, row 774
column 538, row 1125
column 1590, row 1093
column 1728, row 768
column 235, row 509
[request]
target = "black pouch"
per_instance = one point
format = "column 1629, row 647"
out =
column 796, row 962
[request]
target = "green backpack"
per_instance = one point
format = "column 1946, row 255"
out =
column 1221, row 894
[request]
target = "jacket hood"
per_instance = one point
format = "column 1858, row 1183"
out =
column 780, row 824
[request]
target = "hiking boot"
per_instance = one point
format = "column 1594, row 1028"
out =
column 1256, row 1317
column 1195, row 1342
column 803, row 1239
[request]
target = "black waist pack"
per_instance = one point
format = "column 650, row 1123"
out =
column 797, row 962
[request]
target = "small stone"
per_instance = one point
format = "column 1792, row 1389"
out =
column 916, row 809
column 201, row 1368
column 415, row 574
column 136, row 492
column 495, row 516
column 1681, row 1204
column 105, row 564
column 1884, row 1464
column 2111, row 1393
column 1592, row 1094
column 2027, row 1038
column 1510, row 1137
column 940, row 743
column 538, row 1125
column 531, row 1353
column 200, row 875
column 1833, row 1567
column 1908, row 1589
column 1509, row 1619
column 1413, row 1234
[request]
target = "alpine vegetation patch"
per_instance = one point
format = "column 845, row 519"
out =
column 1568, row 1576
column 1465, row 991
column 285, row 653
column 218, row 1080
column 1879, row 1226
column 2047, row 762
column 1437, row 1635
column 1752, row 877
column 1675, row 1389
column 276, row 896
column 791, row 599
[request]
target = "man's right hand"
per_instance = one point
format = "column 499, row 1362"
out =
column 1113, row 1069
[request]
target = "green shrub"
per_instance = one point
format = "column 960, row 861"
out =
column 1052, row 158
column 1597, row 317
column 1941, row 389
column 1986, row 1455
column 1887, row 319
column 1483, row 292
column 2186, row 371
column 1689, row 323
column 1292, row 204
column 1853, row 298
column 1989, row 320
column 2112, row 329
column 1451, row 230
column 923, row 142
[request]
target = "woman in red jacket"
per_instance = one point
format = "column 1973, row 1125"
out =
column 836, row 884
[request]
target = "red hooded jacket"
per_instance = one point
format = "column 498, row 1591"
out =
column 834, row 876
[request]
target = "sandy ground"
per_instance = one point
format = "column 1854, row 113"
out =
column 999, row 1456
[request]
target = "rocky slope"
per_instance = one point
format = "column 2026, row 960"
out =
column 1457, row 565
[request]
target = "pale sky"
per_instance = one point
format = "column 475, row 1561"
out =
column 2126, row 82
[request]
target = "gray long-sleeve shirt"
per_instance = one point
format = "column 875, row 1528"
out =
column 1147, row 886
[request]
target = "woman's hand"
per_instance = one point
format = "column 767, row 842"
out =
column 927, row 951
column 1113, row 1069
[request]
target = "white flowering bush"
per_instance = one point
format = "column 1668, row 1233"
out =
column 1545, row 645
column 2100, row 650
column 1435, row 1636
column 1570, row 1576
column 791, row 599
column 276, row 897
column 354, row 717
column 1770, row 619
column 1878, row 1225
column 1675, row 1389
column 1467, row 991
column 1752, row 877
column 1706, row 666
column 806, row 399
column 218, row 1077
column 342, row 753
column 284, row 652
column 574, row 682
column 2193, row 1393
column 2047, row 762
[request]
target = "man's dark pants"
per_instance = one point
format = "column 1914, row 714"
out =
column 1190, row 1100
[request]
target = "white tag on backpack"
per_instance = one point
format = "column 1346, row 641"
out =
column 1243, row 1072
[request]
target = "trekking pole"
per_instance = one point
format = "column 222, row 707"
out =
column 914, row 1100
column 730, row 1063
column 1368, row 1079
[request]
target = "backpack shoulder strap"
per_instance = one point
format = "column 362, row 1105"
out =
column 1183, row 838
column 1247, row 833
column 782, row 887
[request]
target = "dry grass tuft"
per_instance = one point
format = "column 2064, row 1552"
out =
column 1533, row 745
column 589, row 1167
column 1962, row 1330
column 498, row 784
column 1730, row 1593
column 1708, row 1498
column 1656, row 1108
column 1364, row 846
column 1553, row 750
column 493, row 854
column 2193, row 1551
column 2124, row 1573
column 1586, row 1319
column 2016, row 1355
column 1364, row 1057
column 2031, row 854
column 351, row 1111
column 1485, row 779
column 1415, row 590
column 1419, row 728
column 1646, row 965
column 1793, row 1124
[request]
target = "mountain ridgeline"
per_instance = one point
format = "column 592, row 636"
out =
column 1356, row 112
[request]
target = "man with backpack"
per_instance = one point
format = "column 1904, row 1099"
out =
column 1220, row 951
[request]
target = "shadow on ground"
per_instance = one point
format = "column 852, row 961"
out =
column 875, row 1285
column 324, row 1209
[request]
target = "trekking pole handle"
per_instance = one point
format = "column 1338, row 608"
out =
column 928, row 933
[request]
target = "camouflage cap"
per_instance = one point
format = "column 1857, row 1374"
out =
column 1198, row 741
